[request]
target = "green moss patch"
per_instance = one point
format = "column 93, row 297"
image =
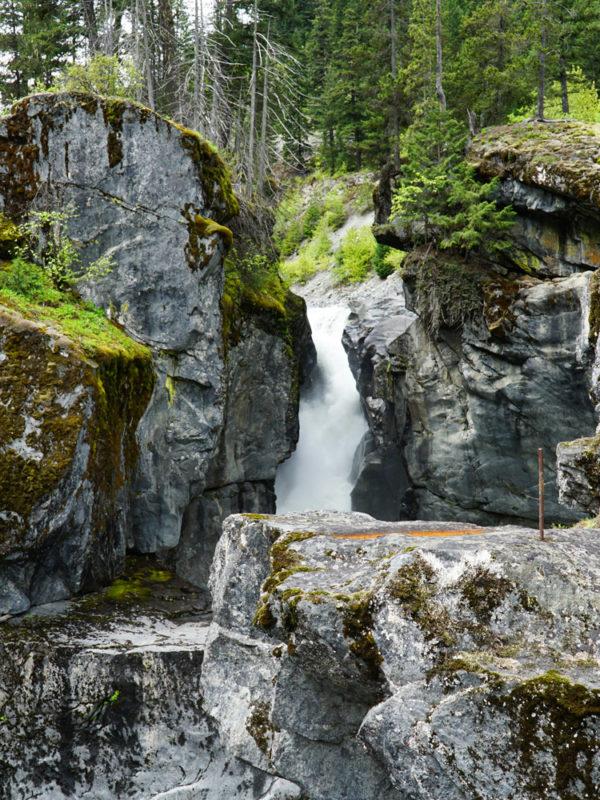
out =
column 413, row 587
column 358, row 626
column 484, row 592
column 561, row 156
column 260, row 727
column 551, row 713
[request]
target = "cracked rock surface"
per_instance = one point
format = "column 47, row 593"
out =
column 361, row 658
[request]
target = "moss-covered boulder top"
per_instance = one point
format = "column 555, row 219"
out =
column 448, row 648
column 562, row 157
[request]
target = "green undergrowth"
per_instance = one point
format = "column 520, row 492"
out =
column 307, row 218
column 26, row 289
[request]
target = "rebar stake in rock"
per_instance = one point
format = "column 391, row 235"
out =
column 541, row 490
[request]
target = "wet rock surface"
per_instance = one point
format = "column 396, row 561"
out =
column 361, row 658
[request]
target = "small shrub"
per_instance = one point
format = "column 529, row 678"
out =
column 23, row 278
column 291, row 238
column 382, row 267
column 106, row 75
column 311, row 218
column 46, row 243
column 354, row 259
column 335, row 212
column 313, row 257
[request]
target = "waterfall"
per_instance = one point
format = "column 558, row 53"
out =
column 317, row 475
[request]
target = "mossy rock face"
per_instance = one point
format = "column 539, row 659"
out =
column 67, row 441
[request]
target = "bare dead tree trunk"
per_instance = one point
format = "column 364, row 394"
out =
column 395, row 110
column 439, row 88
column 147, row 59
column 196, row 114
column 564, row 88
column 91, row 24
column 168, row 46
column 262, row 155
column 253, row 82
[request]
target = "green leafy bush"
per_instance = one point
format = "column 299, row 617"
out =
column 44, row 241
column 106, row 75
column 23, row 278
column 354, row 259
column 313, row 257
column 382, row 267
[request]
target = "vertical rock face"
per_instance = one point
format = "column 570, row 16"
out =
column 459, row 418
column 67, row 447
column 457, row 411
column 155, row 198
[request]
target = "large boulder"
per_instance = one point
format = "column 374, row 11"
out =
column 360, row 658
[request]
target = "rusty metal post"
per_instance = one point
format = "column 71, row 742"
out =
column 541, row 490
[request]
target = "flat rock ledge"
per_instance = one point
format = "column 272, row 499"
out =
column 361, row 659
column 100, row 699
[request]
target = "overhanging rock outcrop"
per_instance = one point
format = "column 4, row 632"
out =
column 359, row 658
column 157, row 199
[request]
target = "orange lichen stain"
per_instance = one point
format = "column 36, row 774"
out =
column 466, row 532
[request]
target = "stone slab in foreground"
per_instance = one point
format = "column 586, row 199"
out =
column 366, row 659
column 100, row 699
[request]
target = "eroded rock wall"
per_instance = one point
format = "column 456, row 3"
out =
column 458, row 418
column 156, row 198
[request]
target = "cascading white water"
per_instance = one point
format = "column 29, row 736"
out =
column 317, row 475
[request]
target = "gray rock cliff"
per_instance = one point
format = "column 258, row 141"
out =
column 490, row 360
column 156, row 198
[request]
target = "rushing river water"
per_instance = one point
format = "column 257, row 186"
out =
column 317, row 476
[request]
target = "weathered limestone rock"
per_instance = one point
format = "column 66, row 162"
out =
column 360, row 658
column 68, row 414
column 102, row 699
column 156, row 197
column 550, row 174
column 456, row 420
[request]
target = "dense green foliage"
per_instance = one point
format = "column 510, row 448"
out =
column 261, row 77
column 438, row 199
